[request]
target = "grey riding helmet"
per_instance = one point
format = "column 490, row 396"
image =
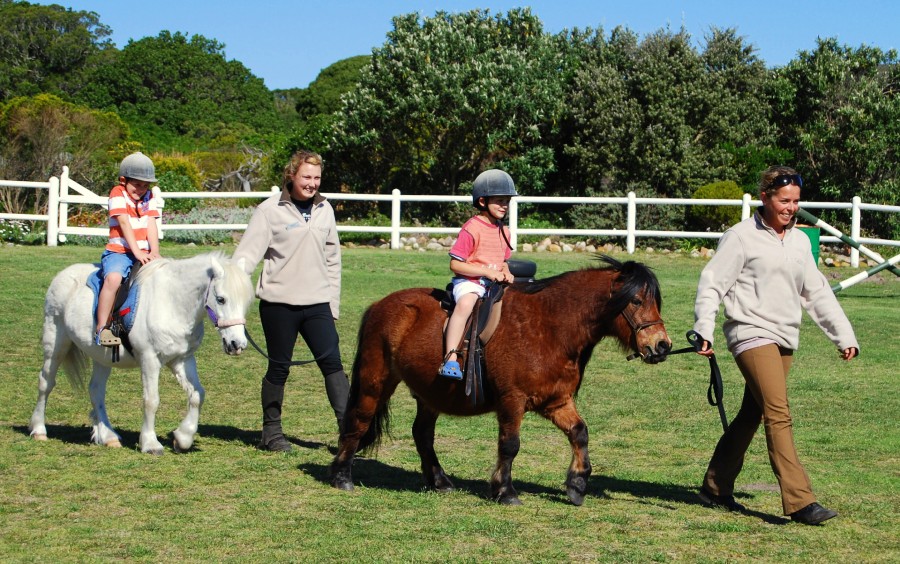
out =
column 138, row 166
column 492, row 182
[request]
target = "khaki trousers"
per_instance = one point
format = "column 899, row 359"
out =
column 765, row 371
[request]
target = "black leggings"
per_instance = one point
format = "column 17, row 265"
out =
column 283, row 322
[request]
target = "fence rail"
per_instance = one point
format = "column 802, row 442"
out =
column 63, row 191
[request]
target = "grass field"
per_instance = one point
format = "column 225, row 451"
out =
column 651, row 435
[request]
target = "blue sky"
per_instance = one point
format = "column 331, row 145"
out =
column 287, row 42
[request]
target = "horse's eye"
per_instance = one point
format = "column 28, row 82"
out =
column 636, row 302
column 220, row 300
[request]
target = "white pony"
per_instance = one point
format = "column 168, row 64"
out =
column 175, row 296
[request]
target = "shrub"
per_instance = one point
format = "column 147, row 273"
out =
column 178, row 174
column 210, row 216
column 14, row 230
column 715, row 218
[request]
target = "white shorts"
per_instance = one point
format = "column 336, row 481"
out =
column 463, row 286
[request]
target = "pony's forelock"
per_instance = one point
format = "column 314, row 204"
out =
column 635, row 277
column 237, row 283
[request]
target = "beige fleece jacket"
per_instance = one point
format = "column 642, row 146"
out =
column 301, row 260
column 765, row 283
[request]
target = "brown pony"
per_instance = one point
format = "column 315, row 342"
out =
column 534, row 362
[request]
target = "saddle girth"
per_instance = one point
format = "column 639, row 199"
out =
column 479, row 330
column 117, row 316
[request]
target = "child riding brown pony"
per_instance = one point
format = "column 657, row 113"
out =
column 534, row 362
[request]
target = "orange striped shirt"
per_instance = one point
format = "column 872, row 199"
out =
column 139, row 212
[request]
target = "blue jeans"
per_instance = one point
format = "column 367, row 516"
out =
column 111, row 261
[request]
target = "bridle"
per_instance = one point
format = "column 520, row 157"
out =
column 220, row 323
column 224, row 323
column 636, row 328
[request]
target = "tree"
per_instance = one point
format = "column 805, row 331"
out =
column 43, row 48
column 324, row 94
column 659, row 118
column 448, row 96
column 658, row 115
column 837, row 109
column 40, row 135
column 173, row 85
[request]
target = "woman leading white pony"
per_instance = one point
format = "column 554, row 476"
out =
column 175, row 296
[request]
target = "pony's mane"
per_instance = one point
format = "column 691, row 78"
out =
column 634, row 277
column 237, row 283
column 146, row 271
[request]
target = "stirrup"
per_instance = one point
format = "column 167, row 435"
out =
column 106, row 338
column 450, row 368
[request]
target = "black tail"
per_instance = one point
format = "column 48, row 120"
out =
column 381, row 422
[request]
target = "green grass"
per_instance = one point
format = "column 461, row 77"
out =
column 651, row 432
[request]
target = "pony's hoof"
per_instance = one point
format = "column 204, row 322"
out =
column 576, row 489
column 345, row 485
column 39, row 437
column 509, row 500
column 576, row 497
column 113, row 443
column 442, row 484
column 182, row 442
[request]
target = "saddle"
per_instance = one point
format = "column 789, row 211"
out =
column 481, row 326
column 121, row 318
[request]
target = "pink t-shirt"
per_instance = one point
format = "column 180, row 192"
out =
column 480, row 242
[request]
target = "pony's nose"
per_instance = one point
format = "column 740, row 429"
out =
column 663, row 348
column 232, row 347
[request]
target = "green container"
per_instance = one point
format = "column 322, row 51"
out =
column 813, row 234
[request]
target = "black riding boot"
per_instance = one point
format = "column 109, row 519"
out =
column 338, row 388
column 272, row 436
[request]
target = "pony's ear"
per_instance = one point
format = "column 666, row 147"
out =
column 218, row 271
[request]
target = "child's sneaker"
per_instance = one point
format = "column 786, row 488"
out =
column 450, row 369
column 106, row 338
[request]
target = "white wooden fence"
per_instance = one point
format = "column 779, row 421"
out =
column 64, row 191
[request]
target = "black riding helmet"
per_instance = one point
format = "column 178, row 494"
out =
column 492, row 182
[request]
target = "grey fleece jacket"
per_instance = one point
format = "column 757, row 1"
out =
column 302, row 260
column 764, row 282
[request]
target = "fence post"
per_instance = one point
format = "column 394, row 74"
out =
column 630, row 224
column 53, row 212
column 63, row 207
column 854, row 231
column 161, row 202
column 513, row 223
column 395, row 218
column 745, row 206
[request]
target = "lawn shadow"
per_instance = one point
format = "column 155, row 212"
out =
column 230, row 433
column 79, row 434
column 648, row 492
column 372, row 473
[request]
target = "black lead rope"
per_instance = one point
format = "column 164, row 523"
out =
column 714, row 391
column 288, row 362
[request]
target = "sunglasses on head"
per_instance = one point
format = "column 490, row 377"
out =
column 786, row 180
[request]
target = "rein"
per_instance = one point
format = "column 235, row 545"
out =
column 287, row 362
column 714, row 391
column 223, row 323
